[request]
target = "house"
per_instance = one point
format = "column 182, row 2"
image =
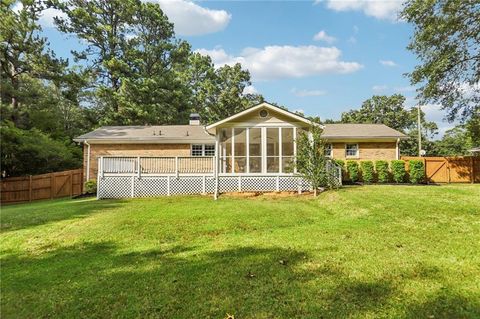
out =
column 251, row 150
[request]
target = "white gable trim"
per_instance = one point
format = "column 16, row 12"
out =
column 265, row 105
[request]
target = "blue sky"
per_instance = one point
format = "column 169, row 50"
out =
column 321, row 57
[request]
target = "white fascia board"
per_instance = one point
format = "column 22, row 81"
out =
column 266, row 105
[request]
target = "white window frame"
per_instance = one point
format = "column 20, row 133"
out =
column 263, row 146
column 356, row 154
column 203, row 150
column 330, row 148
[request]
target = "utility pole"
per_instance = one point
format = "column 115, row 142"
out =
column 419, row 124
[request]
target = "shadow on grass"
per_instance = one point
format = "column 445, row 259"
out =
column 96, row 280
column 16, row 217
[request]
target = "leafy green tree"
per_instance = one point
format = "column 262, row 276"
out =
column 33, row 152
column 311, row 161
column 381, row 109
column 24, row 54
column 107, row 28
column 446, row 41
column 390, row 110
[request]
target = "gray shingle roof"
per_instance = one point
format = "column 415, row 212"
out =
column 198, row 134
column 152, row 134
column 336, row 131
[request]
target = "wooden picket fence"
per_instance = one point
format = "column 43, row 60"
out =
column 44, row 186
column 462, row 169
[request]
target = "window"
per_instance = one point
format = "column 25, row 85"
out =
column 240, row 150
column 226, row 150
column 203, row 150
column 273, row 150
column 351, row 150
column 263, row 113
column 328, row 150
column 209, row 150
column 197, row 149
column 255, row 150
column 287, row 150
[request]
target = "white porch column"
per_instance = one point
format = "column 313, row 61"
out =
column 217, row 164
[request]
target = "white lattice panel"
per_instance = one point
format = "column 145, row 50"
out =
column 209, row 185
column 115, row 187
column 288, row 183
column 151, row 186
column 259, row 183
column 305, row 185
column 186, row 185
column 227, row 184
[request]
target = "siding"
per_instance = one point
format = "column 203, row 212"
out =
column 97, row 150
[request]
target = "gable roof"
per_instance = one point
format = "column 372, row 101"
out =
column 263, row 105
column 149, row 134
column 362, row 131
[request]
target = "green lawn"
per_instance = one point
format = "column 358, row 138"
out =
column 359, row 252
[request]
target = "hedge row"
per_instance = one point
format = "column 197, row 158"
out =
column 381, row 172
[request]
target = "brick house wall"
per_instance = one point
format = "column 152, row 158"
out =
column 97, row 150
column 368, row 150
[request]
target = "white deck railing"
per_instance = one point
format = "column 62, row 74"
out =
column 157, row 165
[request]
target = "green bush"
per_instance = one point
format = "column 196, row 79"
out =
column 398, row 171
column 340, row 163
column 417, row 171
column 91, row 186
column 381, row 167
column 352, row 169
column 368, row 174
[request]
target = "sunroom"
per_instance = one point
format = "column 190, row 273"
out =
column 258, row 141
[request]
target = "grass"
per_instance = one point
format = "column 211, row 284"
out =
column 359, row 252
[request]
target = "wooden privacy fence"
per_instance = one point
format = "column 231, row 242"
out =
column 44, row 186
column 462, row 169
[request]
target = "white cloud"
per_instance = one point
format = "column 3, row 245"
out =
column 356, row 29
column 352, row 40
column 276, row 62
column 387, row 63
column 379, row 88
column 46, row 17
column 323, row 36
column 250, row 90
column 191, row 19
column 407, row 88
column 380, row 9
column 305, row 93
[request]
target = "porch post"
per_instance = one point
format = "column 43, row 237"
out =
column 216, row 166
column 295, row 149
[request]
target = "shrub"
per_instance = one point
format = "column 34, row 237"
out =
column 352, row 169
column 398, row 171
column 381, row 167
column 367, row 171
column 91, row 186
column 340, row 163
column 417, row 171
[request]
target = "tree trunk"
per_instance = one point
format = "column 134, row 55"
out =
column 14, row 101
column 315, row 192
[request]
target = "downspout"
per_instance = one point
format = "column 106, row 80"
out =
column 88, row 161
column 398, row 149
